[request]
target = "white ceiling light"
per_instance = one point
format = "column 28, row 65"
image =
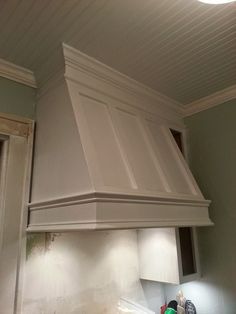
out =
column 216, row 1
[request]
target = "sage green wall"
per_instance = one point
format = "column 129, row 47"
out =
column 16, row 98
column 212, row 153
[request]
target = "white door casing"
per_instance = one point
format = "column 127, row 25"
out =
column 16, row 137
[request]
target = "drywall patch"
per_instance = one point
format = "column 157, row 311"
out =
column 40, row 243
column 35, row 243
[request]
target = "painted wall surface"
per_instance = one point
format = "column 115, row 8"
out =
column 16, row 98
column 154, row 294
column 212, row 147
column 81, row 273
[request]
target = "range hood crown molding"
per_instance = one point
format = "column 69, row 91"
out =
column 108, row 160
column 78, row 66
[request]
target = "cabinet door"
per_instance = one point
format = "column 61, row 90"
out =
column 168, row 255
column 158, row 255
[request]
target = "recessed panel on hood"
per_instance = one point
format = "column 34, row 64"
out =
column 102, row 146
column 134, row 142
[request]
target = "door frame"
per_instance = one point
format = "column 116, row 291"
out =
column 15, row 129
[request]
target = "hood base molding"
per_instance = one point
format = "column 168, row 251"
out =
column 113, row 211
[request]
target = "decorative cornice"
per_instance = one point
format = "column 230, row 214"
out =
column 83, row 63
column 95, row 197
column 115, row 211
column 210, row 101
column 16, row 73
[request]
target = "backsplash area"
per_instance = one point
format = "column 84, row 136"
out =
column 82, row 273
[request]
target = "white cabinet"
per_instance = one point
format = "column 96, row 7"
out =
column 168, row 255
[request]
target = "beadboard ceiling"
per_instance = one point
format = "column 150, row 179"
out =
column 182, row 48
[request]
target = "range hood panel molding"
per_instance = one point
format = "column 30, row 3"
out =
column 135, row 175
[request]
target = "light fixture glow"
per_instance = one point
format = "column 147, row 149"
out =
column 216, row 1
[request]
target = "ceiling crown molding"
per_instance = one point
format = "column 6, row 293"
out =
column 16, row 73
column 83, row 63
column 210, row 101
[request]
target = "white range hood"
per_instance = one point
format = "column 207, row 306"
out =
column 105, row 157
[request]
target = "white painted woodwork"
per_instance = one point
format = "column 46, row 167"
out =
column 16, row 137
column 25, row 76
column 184, row 49
column 210, row 101
column 95, row 76
column 16, row 73
column 160, row 256
column 105, row 157
column 60, row 169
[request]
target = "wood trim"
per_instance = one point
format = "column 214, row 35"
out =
column 110, row 225
column 78, row 64
column 3, row 178
column 19, row 152
column 24, row 221
column 14, row 125
column 16, row 73
column 210, row 101
column 15, row 118
column 90, row 211
column 114, row 198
